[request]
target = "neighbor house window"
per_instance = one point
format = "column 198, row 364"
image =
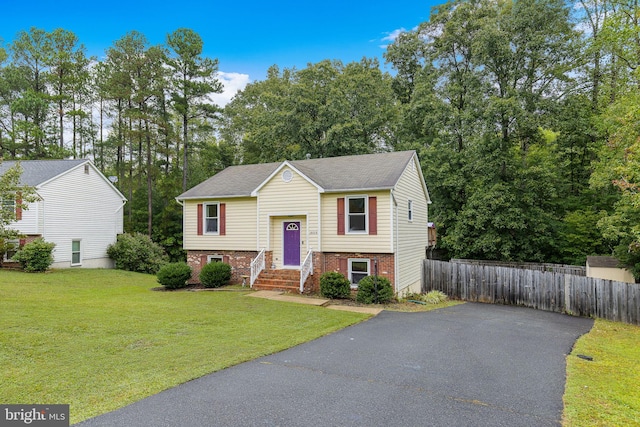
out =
column 357, row 214
column 211, row 218
column 76, row 258
column 410, row 210
column 8, row 205
column 358, row 269
column 11, row 249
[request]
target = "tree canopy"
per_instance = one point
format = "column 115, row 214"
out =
column 524, row 114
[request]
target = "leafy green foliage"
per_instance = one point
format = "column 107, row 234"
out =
column 174, row 275
column 334, row 285
column 215, row 274
column 327, row 109
column 137, row 252
column 13, row 196
column 36, row 256
column 374, row 290
column 525, row 124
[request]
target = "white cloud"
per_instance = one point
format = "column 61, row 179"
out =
column 393, row 35
column 232, row 82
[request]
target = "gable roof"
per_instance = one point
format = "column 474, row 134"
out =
column 332, row 174
column 35, row 173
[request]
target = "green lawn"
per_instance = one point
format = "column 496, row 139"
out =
column 606, row 390
column 101, row 339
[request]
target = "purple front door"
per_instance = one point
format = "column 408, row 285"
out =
column 291, row 244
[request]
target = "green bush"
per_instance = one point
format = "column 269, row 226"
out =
column 35, row 256
column 137, row 252
column 374, row 290
column 174, row 275
column 215, row 274
column 334, row 285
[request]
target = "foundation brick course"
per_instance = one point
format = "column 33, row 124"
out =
column 240, row 262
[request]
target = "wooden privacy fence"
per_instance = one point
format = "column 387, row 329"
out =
column 576, row 270
column 543, row 290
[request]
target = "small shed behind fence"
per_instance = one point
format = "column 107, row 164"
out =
column 607, row 267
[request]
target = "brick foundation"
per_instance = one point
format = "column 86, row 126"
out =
column 240, row 262
column 386, row 263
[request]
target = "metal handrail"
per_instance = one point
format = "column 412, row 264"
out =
column 257, row 265
column 306, row 269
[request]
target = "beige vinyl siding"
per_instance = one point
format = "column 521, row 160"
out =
column 80, row 206
column 282, row 200
column 277, row 233
column 332, row 242
column 240, row 223
column 412, row 235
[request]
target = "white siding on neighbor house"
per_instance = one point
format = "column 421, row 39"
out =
column 31, row 222
column 81, row 206
column 412, row 235
column 379, row 243
column 240, row 226
column 297, row 198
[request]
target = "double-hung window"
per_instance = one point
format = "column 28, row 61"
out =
column 357, row 214
column 211, row 218
column 358, row 269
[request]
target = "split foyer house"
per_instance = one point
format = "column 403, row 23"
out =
column 282, row 225
column 78, row 209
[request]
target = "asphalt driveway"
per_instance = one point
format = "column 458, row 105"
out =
column 468, row 365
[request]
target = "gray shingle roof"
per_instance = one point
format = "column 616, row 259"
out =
column 36, row 172
column 346, row 173
column 603, row 261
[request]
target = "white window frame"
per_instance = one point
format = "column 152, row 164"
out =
column 15, row 242
column 79, row 252
column 8, row 204
column 350, row 264
column 410, row 210
column 205, row 211
column 218, row 258
column 347, row 215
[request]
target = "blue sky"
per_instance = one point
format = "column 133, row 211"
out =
column 247, row 37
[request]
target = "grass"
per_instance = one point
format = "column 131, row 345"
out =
column 606, row 390
column 101, row 339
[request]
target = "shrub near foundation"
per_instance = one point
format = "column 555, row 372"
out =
column 174, row 275
column 215, row 274
column 374, row 290
column 334, row 285
column 36, row 256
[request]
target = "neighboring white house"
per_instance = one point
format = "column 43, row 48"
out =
column 358, row 215
column 79, row 210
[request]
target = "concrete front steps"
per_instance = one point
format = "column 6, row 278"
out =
column 278, row 280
